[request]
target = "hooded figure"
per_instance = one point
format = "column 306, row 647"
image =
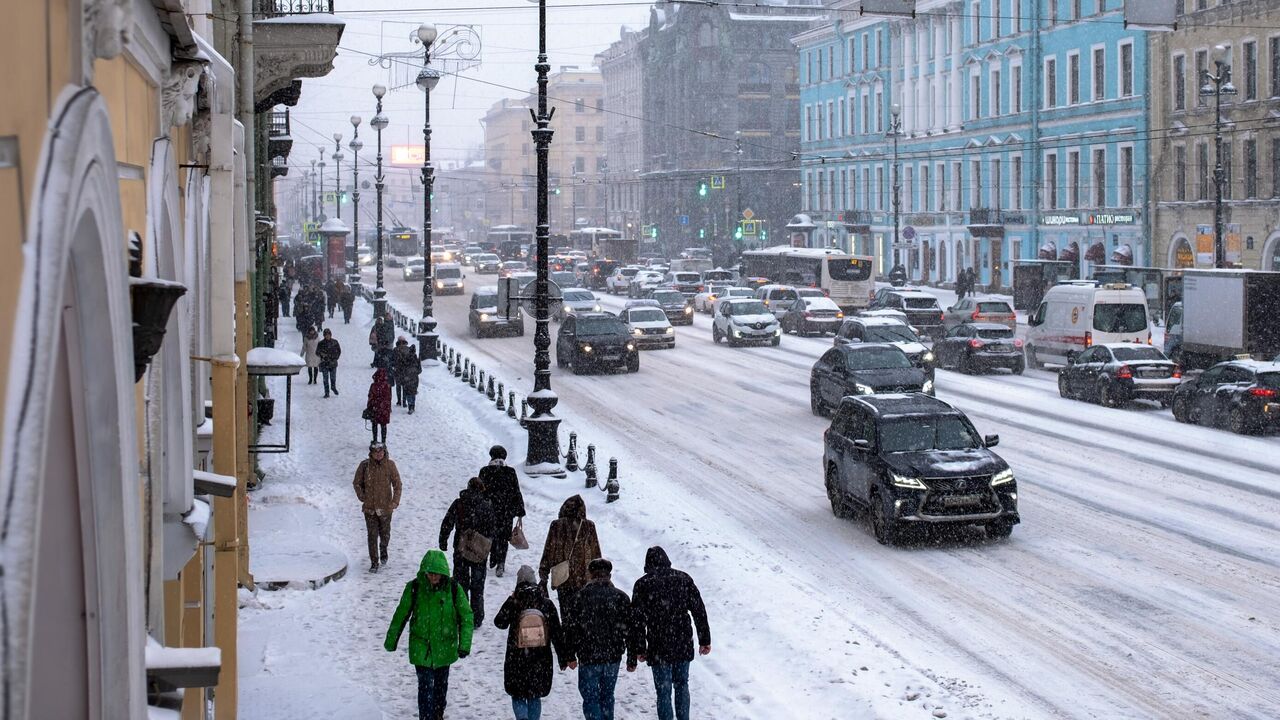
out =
column 405, row 368
column 378, row 409
column 527, row 672
column 662, row 602
column 440, row 627
column 571, row 538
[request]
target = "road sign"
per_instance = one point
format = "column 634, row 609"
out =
column 748, row 214
column 511, row 295
column 750, row 227
column 717, row 182
column 684, row 219
column 909, row 233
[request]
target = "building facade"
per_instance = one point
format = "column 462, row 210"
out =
column 1184, row 152
column 1014, row 144
column 622, row 74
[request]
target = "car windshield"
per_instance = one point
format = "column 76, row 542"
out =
column 876, row 358
column 448, row 273
column 994, row 307
column 920, row 303
column 921, row 434
column 890, row 334
column 717, row 289
column 629, row 272
column 851, row 270
column 514, row 265
column 579, row 296
column 647, row 315
column 739, row 292
column 601, row 326
column 1137, row 352
column 1269, row 379
column 668, row 296
column 748, row 308
column 487, row 258
column 1120, row 317
column 717, row 275
column 810, row 292
column 687, row 277
column 416, row 263
column 995, row 333
column 486, row 300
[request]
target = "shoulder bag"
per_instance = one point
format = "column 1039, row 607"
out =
column 518, row 540
column 472, row 546
column 560, row 571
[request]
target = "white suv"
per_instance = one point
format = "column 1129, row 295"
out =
column 620, row 280
column 744, row 320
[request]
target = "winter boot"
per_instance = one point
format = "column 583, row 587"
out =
column 373, row 567
column 384, row 556
column 501, row 568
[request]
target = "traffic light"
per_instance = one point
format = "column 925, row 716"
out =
column 653, row 231
column 556, row 191
column 702, row 233
column 737, row 233
column 702, row 188
column 764, row 235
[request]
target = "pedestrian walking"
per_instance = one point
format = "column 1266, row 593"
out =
column 440, row 628
column 331, row 296
column 502, row 487
column 403, row 360
column 283, row 293
column 310, row 340
column 470, row 521
column 329, row 350
column 533, row 632
column 378, row 487
column 571, row 544
column 662, row 602
column 598, row 636
column 378, row 408
column 373, row 341
column 387, row 331
column 347, row 300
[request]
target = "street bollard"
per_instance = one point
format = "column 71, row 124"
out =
column 473, row 378
column 480, row 382
column 457, row 366
column 611, row 486
column 489, row 389
column 592, row 480
column 524, row 410
column 571, row 457
column 502, row 393
column 448, row 360
column 466, row 369
column 511, row 404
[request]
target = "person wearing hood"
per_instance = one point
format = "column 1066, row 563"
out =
column 662, row 602
column 598, row 636
column 377, row 485
column 440, row 628
column 533, row 631
column 571, row 540
column 346, row 299
column 502, row 487
column 378, row 409
column 310, row 340
column 405, row 369
column 470, row 521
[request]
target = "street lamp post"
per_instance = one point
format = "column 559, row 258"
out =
column 379, row 123
column 427, row 80
column 895, row 132
column 1216, row 85
column 328, row 274
column 543, row 456
column 337, row 193
column 353, row 276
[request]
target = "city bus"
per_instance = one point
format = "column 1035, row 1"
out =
column 403, row 242
column 603, row 244
column 509, row 241
column 847, row 279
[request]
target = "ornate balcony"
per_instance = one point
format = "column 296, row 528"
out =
column 292, row 39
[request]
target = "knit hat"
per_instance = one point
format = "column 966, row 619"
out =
column 526, row 575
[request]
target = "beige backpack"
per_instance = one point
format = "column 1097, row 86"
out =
column 531, row 629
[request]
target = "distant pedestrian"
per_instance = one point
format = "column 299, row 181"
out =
column 378, row 487
column 662, row 602
column 470, row 521
column 331, row 296
column 403, row 357
column 598, row 636
column 502, row 486
column 283, row 294
column 571, row 544
column 310, row 340
column 378, row 408
column 440, row 628
column 347, row 300
column 533, row 631
column 386, row 332
column 329, row 351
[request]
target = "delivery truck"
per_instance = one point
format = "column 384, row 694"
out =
column 1224, row 314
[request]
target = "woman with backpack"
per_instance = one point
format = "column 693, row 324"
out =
column 533, row 631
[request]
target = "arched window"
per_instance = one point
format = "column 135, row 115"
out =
column 706, row 35
column 1271, row 253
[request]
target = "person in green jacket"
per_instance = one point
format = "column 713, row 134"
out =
column 440, row 625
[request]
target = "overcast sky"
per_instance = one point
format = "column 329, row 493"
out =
column 509, row 33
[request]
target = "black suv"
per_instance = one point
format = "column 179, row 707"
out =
column 595, row 340
column 915, row 460
column 1245, row 394
column 677, row 306
column 862, row 369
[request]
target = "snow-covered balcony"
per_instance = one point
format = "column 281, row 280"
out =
column 294, row 39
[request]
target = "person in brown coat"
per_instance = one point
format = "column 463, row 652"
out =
column 378, row 487
column 572, row 539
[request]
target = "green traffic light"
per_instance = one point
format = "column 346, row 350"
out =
column 702, row 189
column 702, row 233
column 737, row 234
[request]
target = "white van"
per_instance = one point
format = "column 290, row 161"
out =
column 1077, row 315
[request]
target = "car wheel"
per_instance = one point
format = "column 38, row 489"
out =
column 1018, row 368
column 776, row 341
column 839, row 503
column 716, row 337
column 633, row 363
column 1106, row 395
column 999, row 529
column 1032, row 360
column 883, row 524
column 1064, row 387
column 1180, row 413
column 816, row 406
column 1238, row 423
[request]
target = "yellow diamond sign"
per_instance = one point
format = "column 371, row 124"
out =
column 748, row 214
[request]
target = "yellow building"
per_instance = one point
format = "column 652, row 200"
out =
column 125, row 268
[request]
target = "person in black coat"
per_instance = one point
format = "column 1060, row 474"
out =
column 527, row 672
column 502, row 487
column 598, row 633
column 471, row 511
column 405, row 368
column 329, row 351
column 662, row 602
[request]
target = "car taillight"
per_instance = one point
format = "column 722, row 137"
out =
column 974, row 316
column 1125, row 372
column 975, row 343
column 1177, row 372
column 808, row 314
column 1148, row 337
column 1017, row 343
column 1263, row 392
column 840, row 314
column 1088, row 338
column 941, row 317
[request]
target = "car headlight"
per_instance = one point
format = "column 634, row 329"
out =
column 864, row 389
column 586, row 348
column 631, row 346
column 598, row 308
column 903, row 481
column 688, row 310
column 637, row 331
column 484, row 317
column 439, row 285
column 927, row 387
column 671, row 331
column 927, row 356
column 777, row 331
column 737, row 332
column 1002, row 477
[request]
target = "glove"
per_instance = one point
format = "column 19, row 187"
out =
column 463, row 653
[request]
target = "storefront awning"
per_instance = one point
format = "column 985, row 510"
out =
column 1071, row 252
column 1096, row 253
column 1122, row 255
column 1048, row 251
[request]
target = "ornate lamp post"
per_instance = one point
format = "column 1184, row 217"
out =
column 379, row 122
column 337, row 189
column 427, row 80
column 895, row 132
column 328, row 273
column 1217, row 85
column 353, row 276
column 543, row 456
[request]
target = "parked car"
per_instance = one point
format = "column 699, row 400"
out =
column 677, row 306
column 915, row 461
column 648, row 324
column 687, row 282
column 972, row 347
column 1115, row 373
column 620, row 280
column 414, row 268
column 1243, row 394
column 577, row 300
column 809, row 315
column 643, row 281
column 449, row 279
column 744, row 320
column 862, row 369
column 876, row 329
column 1076, row 315
column 974, row 310
column 484, row 320
column 595, row 340
column 487, row 263
column 778, row 298
column 921, row 308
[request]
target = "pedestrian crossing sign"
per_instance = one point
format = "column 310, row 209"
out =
column 750, row 227
column 717, row 182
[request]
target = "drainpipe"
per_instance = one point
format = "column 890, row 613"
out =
column 1037, row 177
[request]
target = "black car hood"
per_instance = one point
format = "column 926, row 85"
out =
column 911, row 377
column 603, row 340
column 945, row 463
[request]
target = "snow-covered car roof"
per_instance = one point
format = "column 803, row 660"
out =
column 1257, row 365
column 878, row 320
column 914, row 294
column 642, row 303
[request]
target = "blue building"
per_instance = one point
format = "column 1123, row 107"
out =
column 1014, row 144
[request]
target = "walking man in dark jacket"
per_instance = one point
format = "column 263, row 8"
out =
column 599, row 635
column 502, row 487
column 470, row 513
column 329, row 351
column 377, row 485
column 403, row 361
column 662, row 602
column 347, row 299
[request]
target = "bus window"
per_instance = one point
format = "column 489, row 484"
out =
column 853, row 270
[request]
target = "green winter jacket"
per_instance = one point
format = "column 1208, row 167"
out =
column 439, row 619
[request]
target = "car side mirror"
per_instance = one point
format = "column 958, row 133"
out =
column 1071, row 357
column 991, row 440
column 862, row 444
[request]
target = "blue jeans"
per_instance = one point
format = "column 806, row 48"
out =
column 433, row 689
column 527, row 708
column 596, row 684
column 669, row 678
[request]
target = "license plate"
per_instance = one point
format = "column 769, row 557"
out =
column 1001, row 348
column 954, row 500
column 1152, row 374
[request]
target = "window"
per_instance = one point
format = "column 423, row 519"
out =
column 1202, row 66
column 831, row 119
column 580, row 164
column 1073, row 78
column 1274, row 46
column 975, row 13
column 599, row 133
column 975, row 183
column 866, row 189
column 909, row 185
column 1015, row 16
column 1126, row 176
column 1015, row 187
column 579, row 134
column 975, row 96
column 997, row 180
column 940, row 174
column 1099, row 177
column 866, row 111
column 925, row 187
column 1250, row 52
column 706, row 35
column 1202, row 170
column 844, row 126
column 1076, row 14
column 579, row 105
column 1180, row 173
column 599, row 104
column 1179, row 82
column 1226, row 169
column 1051, row 181
column 995, row 18
column 1053, row 11
column 994, row 92
column 880, row 189
column 602, row 164
column 1050, row 83
column 1250, row 148
column 866, row 52
column 1015, row 87
column 879, row 111
column 1099, row 74
column 956, row 170
column 808, row 123
column 1073, row 179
